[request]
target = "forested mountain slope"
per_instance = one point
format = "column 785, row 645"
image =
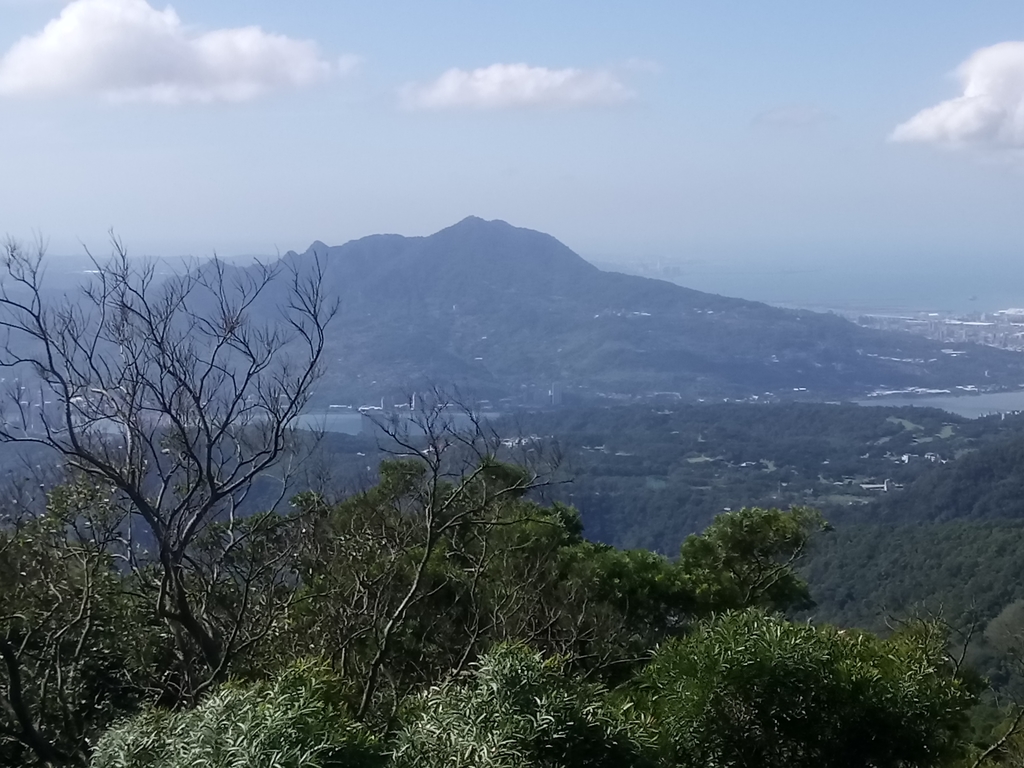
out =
column 862, row 573
column 501, row 311
column 966, row 573
column 649, row 476
column 987, row 484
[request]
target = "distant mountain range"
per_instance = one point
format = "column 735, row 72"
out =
column 510, row 313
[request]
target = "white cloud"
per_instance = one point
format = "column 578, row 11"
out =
column 126, row 50
column 504, row 86
column 990, row 113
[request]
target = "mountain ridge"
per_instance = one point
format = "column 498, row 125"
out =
column 506, row 312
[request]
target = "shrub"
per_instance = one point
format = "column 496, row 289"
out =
column 751, row 689
column 516, row 710
column 294, row 721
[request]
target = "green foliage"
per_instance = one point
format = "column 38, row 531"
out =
column 645, row 589
column 966, row 572
column 1006, row 631
column 745, row 689
column 424, row 577
column 516, row 710
column 511, row 570
column 745, row 559
column 985, row 484
column 295, row 721
column 435, row 597
column 862, row 573
column 65, row 670
column 750, row 689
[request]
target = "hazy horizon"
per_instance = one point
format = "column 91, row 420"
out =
column 872, row 283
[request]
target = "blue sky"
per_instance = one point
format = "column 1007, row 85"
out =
column 734, row 133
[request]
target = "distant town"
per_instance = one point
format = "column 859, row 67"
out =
column 1003, row 328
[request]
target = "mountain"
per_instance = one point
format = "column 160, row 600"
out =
column 505, row 312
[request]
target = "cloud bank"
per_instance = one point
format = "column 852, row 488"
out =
column 509, row 86
column 989, row 114
column 128, row 51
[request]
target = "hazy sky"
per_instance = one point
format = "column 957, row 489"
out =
column 834, row 133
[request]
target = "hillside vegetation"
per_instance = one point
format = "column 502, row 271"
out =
column 649, row 476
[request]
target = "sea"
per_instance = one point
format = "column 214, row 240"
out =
column 874, row 286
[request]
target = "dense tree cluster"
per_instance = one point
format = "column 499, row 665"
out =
column 453, row 621
column 987, row 484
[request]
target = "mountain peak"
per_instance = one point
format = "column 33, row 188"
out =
column 498, row 308
column 476, row 223
column 505, row 253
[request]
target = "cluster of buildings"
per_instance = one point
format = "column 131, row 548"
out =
column 1003, row 329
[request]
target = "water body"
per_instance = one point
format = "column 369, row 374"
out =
column 874, row 286
column 871, row 291
column 970, row 406
column 346, row 423
column 349, row 423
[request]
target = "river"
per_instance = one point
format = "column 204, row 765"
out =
column 971, row 406
column 346, row 423
column 352, row 423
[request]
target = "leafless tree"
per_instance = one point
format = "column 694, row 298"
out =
column 384, row 557
column 180, row 394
